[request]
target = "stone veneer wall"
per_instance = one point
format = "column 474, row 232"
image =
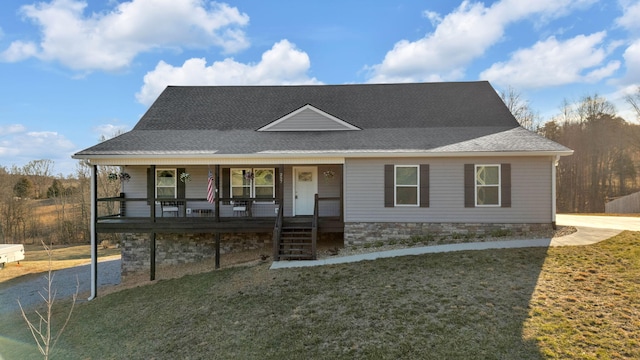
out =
column 441, row 233
column 173, row 249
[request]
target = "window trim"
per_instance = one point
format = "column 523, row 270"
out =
column 175, row 183
column 416, row 186
column 498, row 185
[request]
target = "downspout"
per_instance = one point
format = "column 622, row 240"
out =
column 554, row 165
column 94, row 235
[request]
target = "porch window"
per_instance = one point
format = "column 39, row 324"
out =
column 407, row 185
column 253, row 182
column 166, row 183
column 264, row 184
column 241, row 182
column 487, row 185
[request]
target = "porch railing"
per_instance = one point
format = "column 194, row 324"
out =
column 123, row 207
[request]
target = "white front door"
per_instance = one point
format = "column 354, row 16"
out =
column 305, row 186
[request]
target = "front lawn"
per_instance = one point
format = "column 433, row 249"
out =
column 569, row 302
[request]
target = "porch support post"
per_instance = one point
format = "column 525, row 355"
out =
column 152, row 257
column 217, row 250
column 280, row 188
column 342, row 195
column 217, row 204
column 94, row 233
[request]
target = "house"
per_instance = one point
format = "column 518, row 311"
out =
column 288, row 165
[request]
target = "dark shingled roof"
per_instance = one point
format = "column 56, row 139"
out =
column 431, row 117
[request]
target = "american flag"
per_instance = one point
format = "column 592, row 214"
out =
column 211, row 189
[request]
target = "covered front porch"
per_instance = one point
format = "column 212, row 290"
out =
column 293, row 202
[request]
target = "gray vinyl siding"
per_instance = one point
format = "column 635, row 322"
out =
column 136, row 188
column 530, row 192
column 308, row 119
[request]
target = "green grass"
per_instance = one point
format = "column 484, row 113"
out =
column 570, row 302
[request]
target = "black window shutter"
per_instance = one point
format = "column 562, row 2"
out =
column 424, row 185
column 469, row 185
column 226, row 183
column 181, row 186
column 151, row 185
column 388, row 186
column 505, row 182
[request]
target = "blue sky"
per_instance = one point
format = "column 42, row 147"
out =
column 73, row 71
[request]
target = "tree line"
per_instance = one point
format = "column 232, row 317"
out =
column 37, row 206
column 606, row 157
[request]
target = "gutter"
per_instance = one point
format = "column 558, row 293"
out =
column 329, row 157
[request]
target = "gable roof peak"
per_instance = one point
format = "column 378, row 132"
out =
column 308, row 118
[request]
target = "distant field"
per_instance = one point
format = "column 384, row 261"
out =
column 36, row 260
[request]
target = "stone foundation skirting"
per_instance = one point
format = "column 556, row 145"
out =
column 437, row 233
column 173, row 249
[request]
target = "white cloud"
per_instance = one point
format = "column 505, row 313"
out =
column 551, row 62
column 282, row 64
column 434, row 17
column 18, row 146
column 632, row 63
column 111, row 40
column 461, row 36
column 108, row 131
column 630, row 16
column 19, row 51
column 12, row 129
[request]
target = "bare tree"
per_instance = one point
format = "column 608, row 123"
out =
column 520, row 108
column 602, row 165
column 634, row 101
column 42, row 330
column 40, row 172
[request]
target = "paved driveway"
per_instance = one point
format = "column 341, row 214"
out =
column 64, row 282
column 592, row 229
column 600, row 222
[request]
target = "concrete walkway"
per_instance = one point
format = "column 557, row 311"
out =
column 591, row 229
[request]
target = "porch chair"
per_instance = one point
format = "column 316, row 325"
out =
column 170, row 207
column 240, row 208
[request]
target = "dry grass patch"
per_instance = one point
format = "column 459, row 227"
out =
column 587, row 302
column 63, row 256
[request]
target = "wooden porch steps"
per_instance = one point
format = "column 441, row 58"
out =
column 296, row 241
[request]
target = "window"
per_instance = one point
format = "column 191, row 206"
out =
column 487, row 185
column 264, row 184
column 253, row 183
column 166, row 183
column 406, row 185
